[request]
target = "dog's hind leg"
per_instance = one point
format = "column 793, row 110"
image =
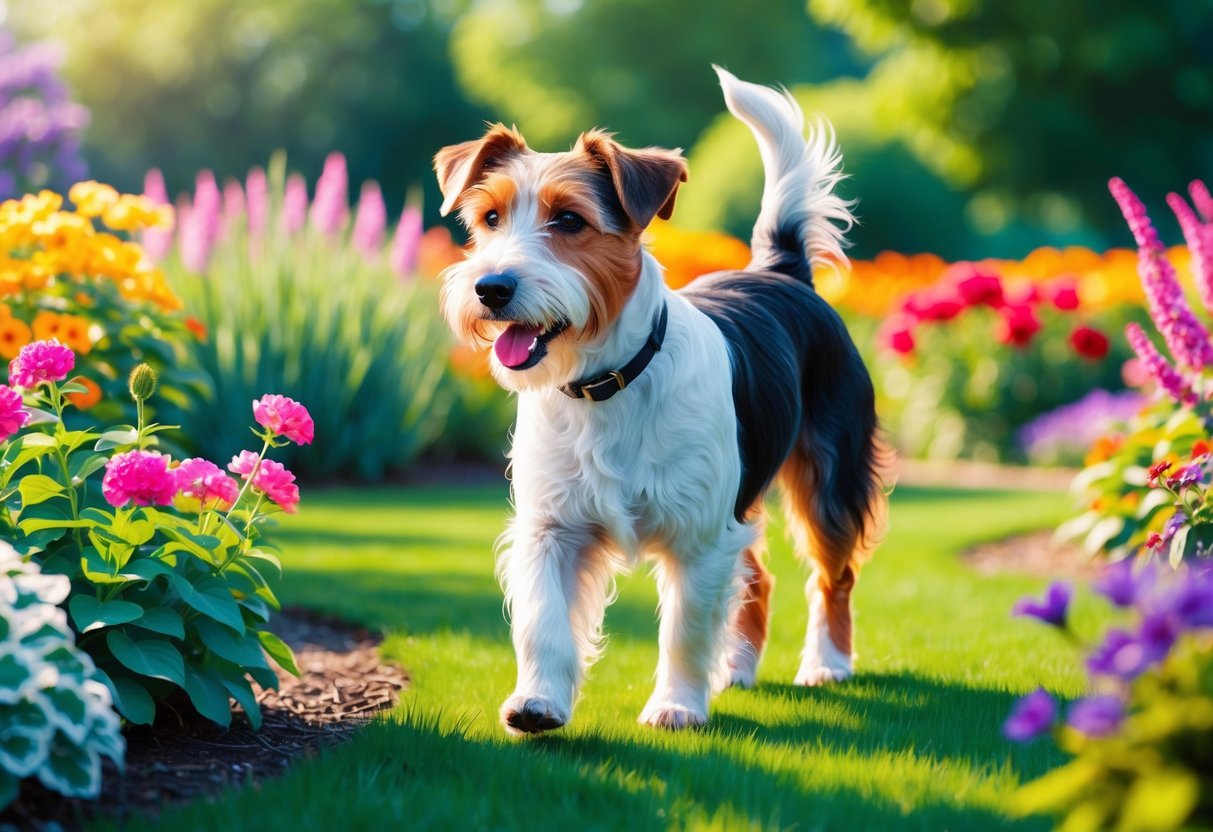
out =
column 696, row 590
column 750, row 623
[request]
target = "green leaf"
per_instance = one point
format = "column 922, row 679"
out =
column 82, row 467
column 279, row 651
column 154, row 657
column 116, row 438
column 1178, row 543
column 266, row 557
column 241, row 649
column 1160, row 801
column 72, row 387
column 38, row 524
column 209, row 696
column 90, row 614
column 211, row 597
column 240, row 690
column 163, row 620
column 37, row 488
column 38, row 440
column 133, row 701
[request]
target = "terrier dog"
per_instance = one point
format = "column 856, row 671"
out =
column 651, row 422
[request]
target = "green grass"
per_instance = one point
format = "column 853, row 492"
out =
column 912, row 742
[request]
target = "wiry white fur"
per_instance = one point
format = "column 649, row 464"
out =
column 821, row 662
column 801, row 173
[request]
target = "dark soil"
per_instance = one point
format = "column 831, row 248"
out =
column 1032, row 554
column 183, row 757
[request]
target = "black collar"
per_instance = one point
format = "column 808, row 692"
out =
column 602, row 387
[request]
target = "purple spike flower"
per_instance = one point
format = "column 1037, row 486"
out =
column 258, row 197
column 1053, row 609
column 370, row 226
column 1186, row 337
column 1168, row 379
column 406, row 242
column 294, row 204
column 1032, row 716
column 1097, row 716
column 157, row 242
column 330, row 209
column 1201, row 199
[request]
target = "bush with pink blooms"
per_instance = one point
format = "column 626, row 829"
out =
column 1147, row 488
column 170, row 575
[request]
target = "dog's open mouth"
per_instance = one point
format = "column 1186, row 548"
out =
column 521, row 346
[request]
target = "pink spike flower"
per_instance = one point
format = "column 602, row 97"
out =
column 294, row 204
column 257, row 193
column 157, row 242
column 41, row 362
column 406, row 243
column 331, row 209
column 142, row 477
column 1162, row 372
column 370, row 226
column 13, row 416
column 1199, row 238
column 284, row 416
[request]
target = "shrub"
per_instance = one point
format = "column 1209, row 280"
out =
column 1146, row 490
column 299, row 298
column 167, row 565
column 1142, row 742
column 57, row 717
column 1064, row 436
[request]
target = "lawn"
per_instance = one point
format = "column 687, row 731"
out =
column 912, row 742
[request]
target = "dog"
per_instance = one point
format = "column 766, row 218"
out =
column 651, row 422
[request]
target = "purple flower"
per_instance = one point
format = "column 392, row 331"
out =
column 1191, row 602
column 370, row 226
column 294, row 204
column 1120, row 655
column 1177, row 521
column 1075, row 427
column 1119, row 585
column 1158, row 367
column 331, row 209
column 1032, row 716
column 406, row 242
column 157, row 242
column 1157, row 635
column 1053, row 609
column 257, row 191
column 1187, row 476
column 1097, row 716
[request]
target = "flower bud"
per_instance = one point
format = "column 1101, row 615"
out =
column 142, row 382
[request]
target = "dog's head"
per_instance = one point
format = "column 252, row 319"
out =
column 555, row 245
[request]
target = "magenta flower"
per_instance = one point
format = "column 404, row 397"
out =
column 294, row 204
column 233, row 205
column 140, row 476
column 1168, row 379
column 1201, row 199
column 243, row 463
column 330, row 209
column 157, row 242
column 271, row 479
column 1053, row 609
column 202, row 480
column 200, row 225
column 1032, row 716
column 1097, row 716
column 370, row 226
column 285, row 417
column 41, row 361
column 258, row 194
column 1186, row 337
column 12, row 415
column 1200, row 243
column 406, row 242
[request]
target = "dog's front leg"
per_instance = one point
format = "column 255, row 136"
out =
column 539, row 574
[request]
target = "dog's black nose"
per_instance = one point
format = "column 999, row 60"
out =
column 496, row 290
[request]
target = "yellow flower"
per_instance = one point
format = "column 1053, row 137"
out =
column 134, row 213
column 14, row 334
column 92, row 198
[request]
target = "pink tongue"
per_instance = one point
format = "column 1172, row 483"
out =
column 513, row 347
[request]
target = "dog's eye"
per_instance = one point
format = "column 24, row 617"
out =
column 491, row 219
column 569, row 222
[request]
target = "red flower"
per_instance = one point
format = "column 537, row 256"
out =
column 1065, row 295
column 1200, row 447
column 1089, row 343
column 977, row 287
column 1154, row 540
column 1018, row 326
column 1156, row 472
column 899, row 338
column 944, row 309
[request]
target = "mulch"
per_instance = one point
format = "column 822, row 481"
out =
column 1035, row 553
column 343, row 683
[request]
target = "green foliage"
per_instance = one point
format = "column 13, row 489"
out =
column 314, row 319
column 165, row 599
column 56, row 715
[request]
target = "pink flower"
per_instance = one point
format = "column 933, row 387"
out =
column 285, row 417
column 897, row 334
column 976, row 286
column 406, row 243
column 294, row 204
column 1018, row 326
column 12, row 415
column 331, row 209
column 271, row 479
column 1158, row 367
column 200, row 225
column 157, row 242
column 1200, row 242
column 41, row 361
column 205, row 481
column 233, row 205
column 141, row 476
column 1065, row 295
column 370, row 226
column 1201, row 199
column 257, row 191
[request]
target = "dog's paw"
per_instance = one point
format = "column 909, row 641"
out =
column 671, row 716
column 531, row 715
column 742, row 669
column 816, row 676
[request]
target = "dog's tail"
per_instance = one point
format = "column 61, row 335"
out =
column 802, row 221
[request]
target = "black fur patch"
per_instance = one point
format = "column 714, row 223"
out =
column 797, row 377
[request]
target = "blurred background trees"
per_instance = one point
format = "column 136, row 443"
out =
column 970, row 127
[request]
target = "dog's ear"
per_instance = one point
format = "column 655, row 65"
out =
column 646, row 180
column 460, row 166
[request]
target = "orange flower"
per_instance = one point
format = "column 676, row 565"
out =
column 1104, row 448
column 1200, row 448
column 470, row 363
column 14, row 334
column 85, row 400
column 46, row 325
column 197, row 327
column 73, row 331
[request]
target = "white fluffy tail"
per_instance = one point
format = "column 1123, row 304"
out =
column 802, row 220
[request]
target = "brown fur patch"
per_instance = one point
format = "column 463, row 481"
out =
column 754, row 615
column 496, row 192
